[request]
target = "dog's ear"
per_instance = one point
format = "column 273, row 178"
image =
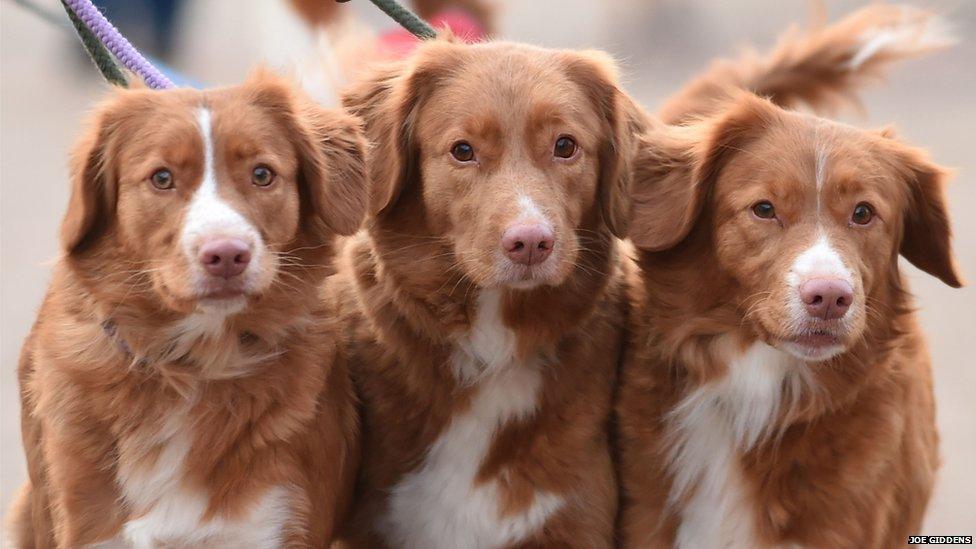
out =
column 376, row 98
column 340, row 198
column 94, row 189
column 596, row 74
column 387, row 99
column 926, row 234
column 666, row 198
column 675, row 168
column 331, row 153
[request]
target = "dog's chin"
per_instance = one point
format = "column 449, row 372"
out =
column 812, row 343
column 815, row 344
column 811, row 352
column 225, row 304
column 214, row 297
column 524, row 278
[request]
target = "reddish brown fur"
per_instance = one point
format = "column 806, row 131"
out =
column 811, row 67
column 854, row 461
column 410, row 286
column 89, row 408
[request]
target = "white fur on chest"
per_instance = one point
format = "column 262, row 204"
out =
column 440, row 505
column 166, row 512
column 710, row 429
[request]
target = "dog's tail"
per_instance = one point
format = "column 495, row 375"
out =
column 823, row 67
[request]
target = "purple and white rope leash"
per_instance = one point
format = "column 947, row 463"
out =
column 117, row 44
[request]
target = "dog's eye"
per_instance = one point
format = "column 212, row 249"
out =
column 162, row 179
column 565, row 147
column 863, row 214
column 262, row 176
column 764, row 210
column 462, row 151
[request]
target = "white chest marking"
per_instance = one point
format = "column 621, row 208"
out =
column 710, row 429
column 441, row 505
column 168, row 513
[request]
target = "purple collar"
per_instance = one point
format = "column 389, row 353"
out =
column 112, row 332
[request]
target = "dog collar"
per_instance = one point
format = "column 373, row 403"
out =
column 112, row 332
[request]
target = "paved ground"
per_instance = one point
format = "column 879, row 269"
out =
column 45, row 91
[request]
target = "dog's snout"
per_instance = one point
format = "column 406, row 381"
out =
column 827, row 298
column 528, row 243
column 225, row 257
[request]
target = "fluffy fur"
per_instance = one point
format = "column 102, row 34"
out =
column 822, row 67
column 487, row 385
column 165, row 406
column 743, row 421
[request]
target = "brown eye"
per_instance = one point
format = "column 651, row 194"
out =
column 162, row 179
column 764, row 210
column 262, row 176
column 565, row 147
column 462, row 151
column 863, row 214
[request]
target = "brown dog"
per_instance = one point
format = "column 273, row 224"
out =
column 777, row 390
column 182, row 386
column 484, row 306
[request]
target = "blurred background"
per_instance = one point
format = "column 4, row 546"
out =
column 47, row 86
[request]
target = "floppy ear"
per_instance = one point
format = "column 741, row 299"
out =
column 666, row 198
column 676, row 166
column 91, row 206
column 927, row 235
column 331, row 156
column 387, row 99
column 382, row 104
column 334, row 169
column 595, row 72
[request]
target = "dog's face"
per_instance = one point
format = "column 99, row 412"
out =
column 807, row 217
column 513, row 150
column 202, row 199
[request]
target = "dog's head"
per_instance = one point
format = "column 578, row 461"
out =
column 806, row 217
column 208, row 200
column 513, row 155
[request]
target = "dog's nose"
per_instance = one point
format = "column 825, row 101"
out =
column 225, row 257
column 528, row 243
column 826, row 298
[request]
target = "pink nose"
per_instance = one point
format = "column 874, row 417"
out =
column 528, row 243
column 225, row 257
column 826, row 298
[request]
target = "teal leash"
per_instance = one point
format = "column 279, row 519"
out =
column 97, row 51
column 406, row 18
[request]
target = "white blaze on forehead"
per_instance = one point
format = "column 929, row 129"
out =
column 821, row 154
column 207, row 214
column 819, row 260
column 821, row 166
